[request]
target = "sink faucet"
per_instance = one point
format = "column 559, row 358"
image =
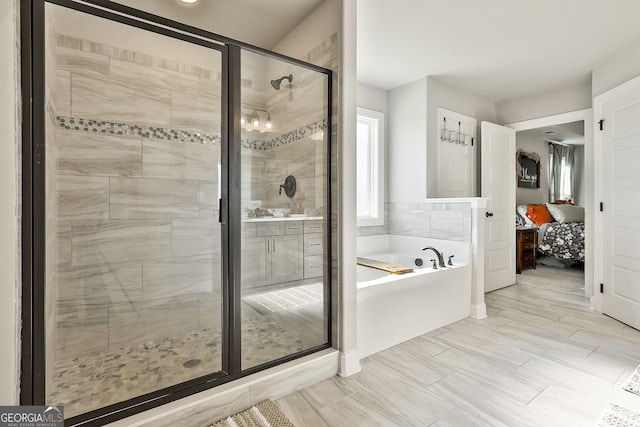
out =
column 438, row 254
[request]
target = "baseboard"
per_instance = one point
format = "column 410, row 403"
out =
column 478, row 311
column 349, row 363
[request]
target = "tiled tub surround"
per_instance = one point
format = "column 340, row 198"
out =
column 134, row 221
column 446, row 221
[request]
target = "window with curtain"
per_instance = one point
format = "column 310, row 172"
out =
column 561, row 172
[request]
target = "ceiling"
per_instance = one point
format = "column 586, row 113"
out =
column 497, row 49
column 262, row 23
column 569, row 133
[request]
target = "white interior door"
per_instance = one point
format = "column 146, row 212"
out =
column 621, row 215
column 498, row 169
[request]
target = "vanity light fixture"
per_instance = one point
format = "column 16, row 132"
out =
column 254, row 119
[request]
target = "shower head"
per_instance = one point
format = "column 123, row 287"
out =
column 276, row 83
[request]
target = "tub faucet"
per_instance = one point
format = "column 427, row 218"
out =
column 438, row 254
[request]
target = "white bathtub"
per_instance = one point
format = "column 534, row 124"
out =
column 393, row 308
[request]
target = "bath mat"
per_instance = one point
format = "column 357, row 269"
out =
column 286, row 299
column 633, row 382
column 384, row 266
column 265, row 414
column 617, row 416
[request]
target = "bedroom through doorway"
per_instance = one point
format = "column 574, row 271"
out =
column 551, row 196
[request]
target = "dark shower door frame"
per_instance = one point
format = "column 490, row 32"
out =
column 33, row 351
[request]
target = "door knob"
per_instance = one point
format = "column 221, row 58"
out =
column 489, row 214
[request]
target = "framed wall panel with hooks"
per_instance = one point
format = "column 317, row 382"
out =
column 456, row 154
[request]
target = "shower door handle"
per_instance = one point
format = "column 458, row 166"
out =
column 222, row 211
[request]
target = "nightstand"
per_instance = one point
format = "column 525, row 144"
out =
column 526, row 248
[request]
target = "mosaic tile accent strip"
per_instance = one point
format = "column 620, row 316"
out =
column 115, row 128
column 314, row 130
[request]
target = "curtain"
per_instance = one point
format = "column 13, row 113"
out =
column 561, row 172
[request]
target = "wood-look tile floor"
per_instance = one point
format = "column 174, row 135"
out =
column 541, row 358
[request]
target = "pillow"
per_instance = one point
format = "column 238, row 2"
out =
column 566, row 213
column 562, row 202
column 522, row 212
column 539, row 214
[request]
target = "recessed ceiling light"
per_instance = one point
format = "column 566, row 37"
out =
column 189, row 1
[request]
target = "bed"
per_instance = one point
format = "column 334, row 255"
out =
column 561, row 234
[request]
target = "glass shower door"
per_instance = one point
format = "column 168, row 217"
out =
column 133, row 264
column 284, row 255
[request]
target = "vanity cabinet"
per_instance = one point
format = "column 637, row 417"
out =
column 281, row 251
column 285, row 256
column 313, row 249
column 272, row 252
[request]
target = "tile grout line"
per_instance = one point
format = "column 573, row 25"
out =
column 536, row 396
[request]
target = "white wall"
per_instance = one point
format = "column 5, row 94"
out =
column 617, row 69
column 532, row 144
column 563, row 100
column 407, row 143
column 348, row 339
column 442, row 95
column 9, row 308
column 372, row 98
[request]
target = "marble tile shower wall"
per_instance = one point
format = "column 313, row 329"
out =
column 136, row 174
column 136, row 168
column 306, row 160
column 446, row 221
column 297, row 111
column 326, row 54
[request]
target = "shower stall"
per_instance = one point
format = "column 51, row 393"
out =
column 166, row 257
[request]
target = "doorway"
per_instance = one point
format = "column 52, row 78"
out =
column 552, row 180
column 566, row 126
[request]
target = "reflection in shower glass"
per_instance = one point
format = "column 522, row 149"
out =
column 284, row 202
column 133, row 239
